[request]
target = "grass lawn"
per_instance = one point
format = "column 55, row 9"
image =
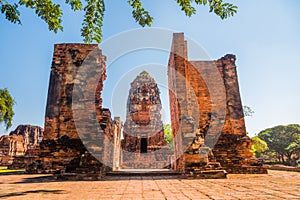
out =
column 3, row 169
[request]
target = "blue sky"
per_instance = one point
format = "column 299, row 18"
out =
column 264, row 35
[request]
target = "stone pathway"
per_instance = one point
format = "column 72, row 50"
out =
column 275, row 185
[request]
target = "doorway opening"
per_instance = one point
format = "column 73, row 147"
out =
column 143, row 145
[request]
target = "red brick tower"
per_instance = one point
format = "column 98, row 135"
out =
column 206, row 111
column 144, row 145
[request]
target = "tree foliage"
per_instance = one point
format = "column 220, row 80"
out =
column 92, row 24
column 283, row 140
column 168, row 135
column 248, row 112
column 259, row 146
column 6, row 108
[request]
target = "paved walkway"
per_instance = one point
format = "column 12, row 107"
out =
column 275, row 185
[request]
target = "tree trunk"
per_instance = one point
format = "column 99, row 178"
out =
column 278, row 157
column 289, row 156
column 282, row 158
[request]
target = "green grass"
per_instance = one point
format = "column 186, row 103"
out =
column 3, row 169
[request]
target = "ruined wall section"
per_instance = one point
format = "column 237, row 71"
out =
column 10, row 146
column 20, row 142
column 177, row 94
column 67, row 59
column 33, row 135
column 118, row 125
column 233, row 149
column 192, row 107
column 200, row 107
column 62, row 147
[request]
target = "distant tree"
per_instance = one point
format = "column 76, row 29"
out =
column 248, row 112
column 91, row 29
column 6, row 108
column 259, row 146
column 284, row 140
column 168, row 135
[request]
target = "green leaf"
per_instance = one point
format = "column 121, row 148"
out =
column 47, row 11
column 6, row 107
column 93, row 21
column 11, row 12
column 94, row 13
column 186, row 6
column 140, row 14
column 75, row 4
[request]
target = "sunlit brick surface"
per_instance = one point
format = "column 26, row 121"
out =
column 275, row 185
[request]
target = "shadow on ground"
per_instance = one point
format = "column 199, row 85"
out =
column 11, row 173
column 53, row 178
column 121, row 178
column 38, row 179
column 17, row 194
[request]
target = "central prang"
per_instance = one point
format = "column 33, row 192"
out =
column 143, row 129
column 143, row 100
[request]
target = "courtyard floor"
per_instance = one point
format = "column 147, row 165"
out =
column 275, row 185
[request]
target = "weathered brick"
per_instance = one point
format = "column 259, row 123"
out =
column 143, row 122
column 191, row 96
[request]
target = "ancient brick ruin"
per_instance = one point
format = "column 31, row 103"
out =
column 207, row 114
column 144, row 145
column 75, row 95
column 19, row 143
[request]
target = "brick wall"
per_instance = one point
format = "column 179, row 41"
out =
column 75, row 122
column 205, row 99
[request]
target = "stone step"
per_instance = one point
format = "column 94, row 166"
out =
column 78, row 177
column 208, row 174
